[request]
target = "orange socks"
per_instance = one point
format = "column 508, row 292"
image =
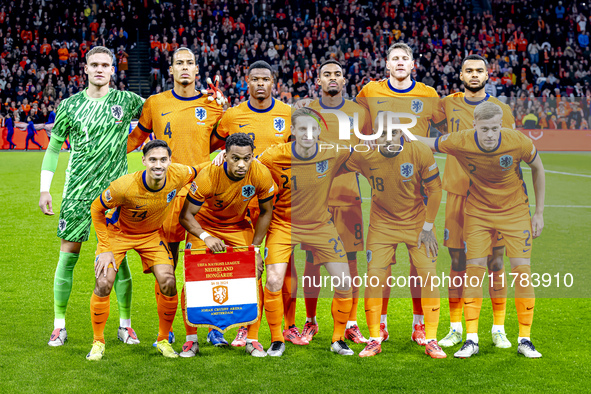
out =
column 274, row 313
column 99, row 313
column 498, row 296
column 341, row 309
column 354, row 273
column 312, row 273
column 166, row 311
column 386, row 290
column 290, row 286
column 190, row 330
column 473, row 296
column 415, row 292
column 455, row 296
column 253, row 329
column 524, row 299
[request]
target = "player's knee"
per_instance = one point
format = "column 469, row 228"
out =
column 167, row 285
column 274, row 283
column 103, row 286
column 309, row 257
column 495, row 262
column 458, row 259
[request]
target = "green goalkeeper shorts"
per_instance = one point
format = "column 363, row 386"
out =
column 75, row 220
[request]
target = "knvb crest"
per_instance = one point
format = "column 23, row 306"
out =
column 201, row 113
column 406, row 170
column 322, row 166
column 220, row 294
column 506, row 161
column 416, row 106
column 170, row 196
column 248, row 191
column 279, row 124
column 117, row 112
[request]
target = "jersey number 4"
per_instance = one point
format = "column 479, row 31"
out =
column 168, row 131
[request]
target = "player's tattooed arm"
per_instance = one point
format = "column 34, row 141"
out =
column 188, row 221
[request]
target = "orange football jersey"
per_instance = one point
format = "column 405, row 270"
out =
column 345, row 188
column 278, row 160
column 397, row 194
column 459, row 112
column 266, row 127
column 140, row 210
column 224, row 201
column 310, row 183
column 496, row 181
column 418, row 100
column 184, row 123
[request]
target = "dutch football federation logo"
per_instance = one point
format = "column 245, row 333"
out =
column 117, row 112
column 279, row 124
column 368, row 255
column 220, row 294
column 170, row 196
column 248, row 191
column 201, row 113
column 416, row 106
column 506, row 161
column 62, row 225
column 322, row 166
column 406, row 170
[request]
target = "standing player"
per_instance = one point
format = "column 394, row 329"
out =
column 344, row 201
column 401, row 94
column 141, row 201
column 185, row 119
column 215, row 210
column 497, row 202
column 397, row 173
column 97, row 122
column 267, row 122
column 458, row 108
column 304, row 175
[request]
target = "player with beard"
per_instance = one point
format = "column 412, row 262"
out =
column 185, row 119
column 458, row 108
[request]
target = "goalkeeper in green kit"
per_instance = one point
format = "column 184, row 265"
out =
column 97, row 122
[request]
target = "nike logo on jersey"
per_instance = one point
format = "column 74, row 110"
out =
column 164, row 114
column 218, row 194
column 471, row 302
column 243, row 125
column 469, row 158
column 372, row 169
column 140, row 206
column 285, row 168
column 454, row 110
column 526, row 250
column 342, row 255
column 382, row 102
column 357, row 243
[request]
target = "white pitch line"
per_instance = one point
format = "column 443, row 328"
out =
column 528, row 169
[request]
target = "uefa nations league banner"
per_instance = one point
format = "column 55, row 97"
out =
column 221, row 289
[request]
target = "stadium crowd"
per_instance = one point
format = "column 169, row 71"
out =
column 538, row 54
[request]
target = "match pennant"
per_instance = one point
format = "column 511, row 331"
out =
column 221, row 289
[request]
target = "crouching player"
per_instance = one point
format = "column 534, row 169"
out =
column 304, row 175
column 497, row 201
column 141, row 201
column 215, row 216
column 397, row 173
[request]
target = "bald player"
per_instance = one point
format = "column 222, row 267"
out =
column 458, row 109
column 497, row 202
column 401, row 94
column 141, row 201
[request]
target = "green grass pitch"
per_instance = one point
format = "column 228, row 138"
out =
column 29, row 256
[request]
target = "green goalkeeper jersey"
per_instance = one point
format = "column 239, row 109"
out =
column 98, row 131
